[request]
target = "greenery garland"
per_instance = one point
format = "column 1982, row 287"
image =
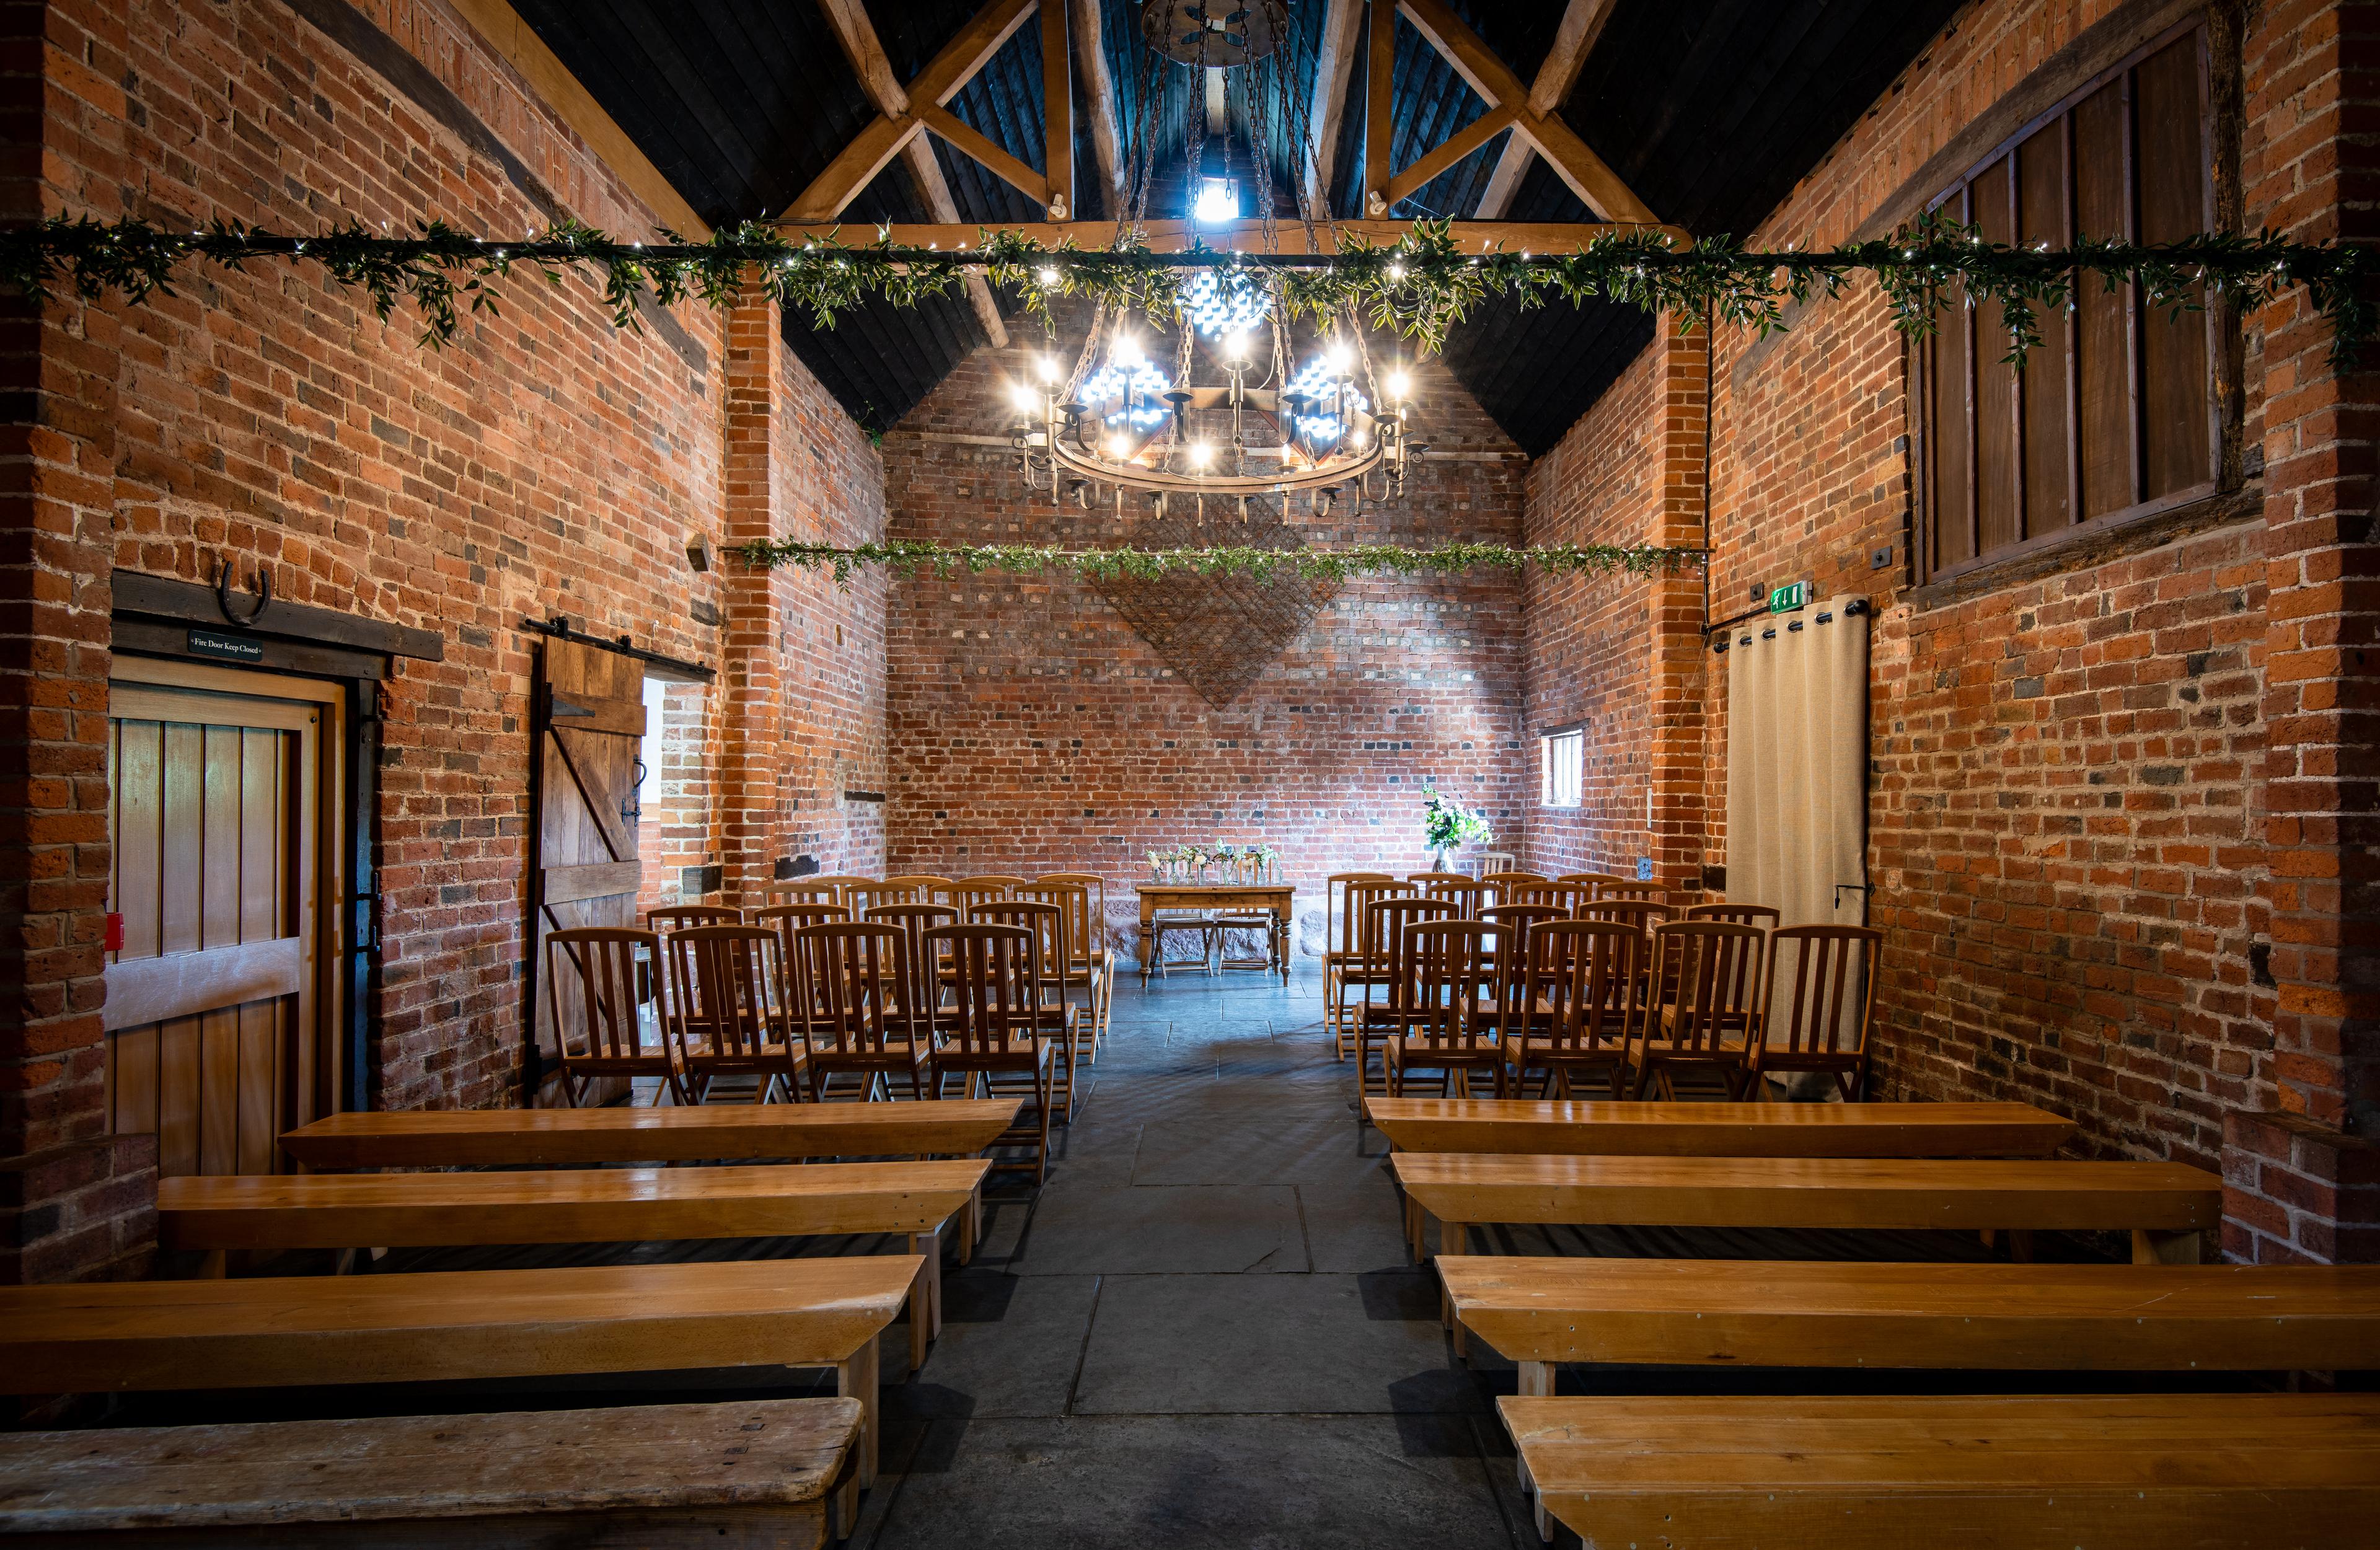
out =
column 1417, row 289
column 913, row 557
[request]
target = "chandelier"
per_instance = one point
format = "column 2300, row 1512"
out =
column 1234, row 407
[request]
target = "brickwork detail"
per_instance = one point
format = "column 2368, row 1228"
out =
column 1032, row 729
column 1217, row 632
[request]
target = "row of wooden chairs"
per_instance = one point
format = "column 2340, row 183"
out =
column 907, row 998
column 1354, row 958
column 1090, row 961
column 1703, row 1003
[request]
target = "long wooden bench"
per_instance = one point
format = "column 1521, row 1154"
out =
column 1564, row 1127
column 2148, row 1471
column 708, row 1132
column 774, row 1471
column 1539, row 1311
column 2166, row 1206
column 98, row 1337
column 600, row 1205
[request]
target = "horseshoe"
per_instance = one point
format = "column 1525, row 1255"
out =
column 223, row 595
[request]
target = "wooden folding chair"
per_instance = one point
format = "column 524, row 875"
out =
column 599, row 979
column 1469, row 895
column 1045, row 988
column 987, row 1031
column 678, row 917
column 1565, row 897
column 1500, row 885
column 1593, row 880
column 1762, row 915
column 1091, row 967
column 928, row 970
column 1828, row 1010
column 728, row 993
column 1704, row 1035
column 849, row 980
column 1386, row 919
column 1451, row 1003
column 1573, row 1008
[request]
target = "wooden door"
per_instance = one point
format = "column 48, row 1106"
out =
column 221, row 1023
column 589, row 722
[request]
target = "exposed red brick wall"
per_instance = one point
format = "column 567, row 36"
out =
column 543, row 463
column 1033, row 730
column 2067, row 821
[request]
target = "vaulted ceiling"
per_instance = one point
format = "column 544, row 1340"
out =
column 1709, row 110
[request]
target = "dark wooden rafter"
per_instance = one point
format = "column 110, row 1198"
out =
column 903, row 116
column 1582, row 24
column 1505, row 93
column 1334, row 67
column 1057, row 113
column 1099, row 97
column 1379, row 126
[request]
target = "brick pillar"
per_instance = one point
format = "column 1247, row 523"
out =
column 753, row 806
column 1682, row 410
column 2298, row 1184
column 74, row 1201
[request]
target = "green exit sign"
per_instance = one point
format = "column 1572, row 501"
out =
column 1785, row 599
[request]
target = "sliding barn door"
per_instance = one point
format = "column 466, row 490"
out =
column 590, row 726
column 216, row 1034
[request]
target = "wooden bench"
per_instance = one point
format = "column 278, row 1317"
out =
column 1719, row 1129
column 2140, row 1470
column 709, row 1132
column 1539, row 1311
column 98, row 1337
column 2166, row 1206
column 599, row 1206
column 765, row 1472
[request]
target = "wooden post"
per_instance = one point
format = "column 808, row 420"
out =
column 1376, row 123
column 1057, row 110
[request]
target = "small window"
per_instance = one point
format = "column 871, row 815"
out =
column 1563, row 754
column 2115, row 413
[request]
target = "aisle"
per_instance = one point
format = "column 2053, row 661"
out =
column 1204, row 1331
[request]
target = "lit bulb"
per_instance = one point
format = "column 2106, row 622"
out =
column 1399, row 384
column 1396, row 271
column 1118, row 446
column 1049, row 277
column 1235, row 346
column 1050, row 373
column 1199, row 453
column 1023, row 395
column 1340, row 359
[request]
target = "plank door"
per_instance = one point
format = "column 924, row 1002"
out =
column 589, row 722
column 213, row 1038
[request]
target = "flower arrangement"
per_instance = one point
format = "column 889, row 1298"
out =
column 1182, row 861
column 1447, row 823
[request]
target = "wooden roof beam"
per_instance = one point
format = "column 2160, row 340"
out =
column 1057, row 113
column 896, row 131
column 1334, row 67
column 1582, row 24
column 1099, row 94
column 898, row 121
column 1547, row 136
column 1379, row 123
column 520, row 48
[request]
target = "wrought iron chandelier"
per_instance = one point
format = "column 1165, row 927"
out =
column 1232, row 410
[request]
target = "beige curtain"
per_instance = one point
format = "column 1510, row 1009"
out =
column 1797, row 765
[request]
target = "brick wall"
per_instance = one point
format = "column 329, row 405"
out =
column 2112, row 837
column 543, row 463
column 1033, row 730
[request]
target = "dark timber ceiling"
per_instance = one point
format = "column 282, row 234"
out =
column 1711, row 110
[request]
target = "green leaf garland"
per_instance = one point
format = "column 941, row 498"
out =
column 914, row 557
column 1417, row 289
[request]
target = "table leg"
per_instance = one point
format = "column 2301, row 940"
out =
column 1147, row 932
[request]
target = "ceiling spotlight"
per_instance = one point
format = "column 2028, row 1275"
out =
column 1217, row 202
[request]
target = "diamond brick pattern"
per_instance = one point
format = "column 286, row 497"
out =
column 1218, row 633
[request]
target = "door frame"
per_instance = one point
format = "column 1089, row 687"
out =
column 339, row 847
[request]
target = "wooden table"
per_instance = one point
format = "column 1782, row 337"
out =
column 2118, row 1472
column 538, row 1137
column 1719, row 1129
column 96, row 1336
column 747, row 1472
column 1273, row 898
